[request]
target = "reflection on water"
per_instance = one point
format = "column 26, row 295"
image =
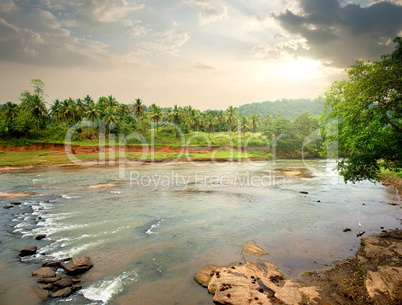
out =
column 152, row 230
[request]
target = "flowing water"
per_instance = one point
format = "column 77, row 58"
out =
column 155, row 226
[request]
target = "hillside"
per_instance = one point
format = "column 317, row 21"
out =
column 287, row 108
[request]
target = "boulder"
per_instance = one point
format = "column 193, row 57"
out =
column 28, row 251
column 45, row 272
column 55, row 264
column 8, row 206
column 77, row 265
column 62, row 293
column 386, row 280
column 252, row 249
column 41, row 293
column 303, row 192
column 204, row 275
column 49, row 280
column 63, row 283
column 40, row 236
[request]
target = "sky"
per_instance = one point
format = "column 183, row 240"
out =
column 206, row 53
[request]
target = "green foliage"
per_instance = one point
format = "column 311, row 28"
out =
column 286, row 108
column 368, row 109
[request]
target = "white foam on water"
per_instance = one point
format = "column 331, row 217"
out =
column 115, row 192
column 154, row 226
column 70, row 197
column 73, row 251
column 105, row 289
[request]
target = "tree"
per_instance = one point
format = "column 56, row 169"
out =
column 243, row 125
column 110, row 117
column 368, row 109
column 34, row 104
column 156, row 114
column 174, row 114
column 231, row 116
column 92, row 114
column 255, row 119
column 10, row 110
column 209, row 122
column 221, row 119
column 138, row 107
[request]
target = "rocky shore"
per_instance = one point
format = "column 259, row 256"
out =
column 374, row 276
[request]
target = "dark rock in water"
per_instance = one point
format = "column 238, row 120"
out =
column 318, row 200
column 75, row 281
column 77, row 265
column 63, row 283
column 15, row 203
column 28, row 251
column 40, row 236
column 55, row 264
column 347, row 230
column 49, row 280
column 42, row 294
column 303, row 192
column 76, row 287
column 62, row 293
column 360, row 233
column 45, row 272
column 8, row 206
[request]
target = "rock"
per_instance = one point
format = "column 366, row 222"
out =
column 8, row 206
column 49, row 280
column 45, row 272
column 102, row 186
column 42, row 294
column 347, row 230
column 386, row 280
column 303, row 192
column 258, row 282
column 77, row 265
column 75, row 281
column 252, row 249
column 55, row 264
column 360, row 233
column 63, row 283
column 40, row 236
column 15, row 203
column 76, row 287
column 203, row 276
column 28, row 251
column 62, row 293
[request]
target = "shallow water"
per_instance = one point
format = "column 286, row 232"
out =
column 148, row 235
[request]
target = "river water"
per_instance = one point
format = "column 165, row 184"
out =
column 155, row 226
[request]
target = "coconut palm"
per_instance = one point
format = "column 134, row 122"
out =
column 92, row 114
column 10, row 110
column 138, row 107
column 155, row 113
column 230, row 116
column 221, row 119
column 56, row 110
column 243, row 125
column 174, row 114
column 254, row 121
column 209, row 123
column 110, row 117
column 34, row 104
column 68, row 110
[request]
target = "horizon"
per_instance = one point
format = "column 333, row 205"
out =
column 209, row 54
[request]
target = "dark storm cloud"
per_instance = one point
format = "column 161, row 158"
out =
column 342, row 34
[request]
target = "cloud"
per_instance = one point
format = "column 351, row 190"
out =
column 167, row 42
column 203, row 66
column 7, row 6
column 211, row 10
column 341, row 34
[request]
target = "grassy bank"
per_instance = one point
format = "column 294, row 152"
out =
column 48, row 157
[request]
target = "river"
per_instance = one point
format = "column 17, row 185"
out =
column 154, row 226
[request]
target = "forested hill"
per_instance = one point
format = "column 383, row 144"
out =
column 287, row 108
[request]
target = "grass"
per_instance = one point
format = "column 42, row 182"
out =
column 48, row 157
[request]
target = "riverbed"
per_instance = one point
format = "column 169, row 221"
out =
column 151, row 227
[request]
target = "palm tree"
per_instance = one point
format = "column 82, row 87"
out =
column 243, row 125
column 34, row 104
column 209, row 123
column 255, row 119
column 231, row 115
column 174, row 114
column 10, row 110
column 156, row 114
column 138, row 108
column 56, row 110
column 91, row 114
column 110, row 116
column 221, row 119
